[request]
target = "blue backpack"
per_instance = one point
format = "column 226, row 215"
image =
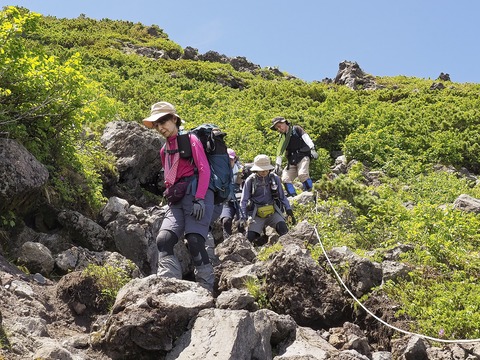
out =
column 221, row 175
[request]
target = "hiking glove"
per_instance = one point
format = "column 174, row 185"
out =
column 291, row 216
column 198, row 209
column 314, row 153
column 278, row 161
column 278, row 166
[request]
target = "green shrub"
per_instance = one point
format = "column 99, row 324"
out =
column 4, row 342
column 8, row 220
column 266, row 251
column 45, row 104
column 110, row 280
column 254, row 288
column 345, row 188
column 442, row 309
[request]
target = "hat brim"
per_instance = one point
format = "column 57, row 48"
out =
column 148, row 122
column 276, row 122
column 261, row 168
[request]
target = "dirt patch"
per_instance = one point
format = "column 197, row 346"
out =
column 83, row 296
column 49, row 301
column 380, row 335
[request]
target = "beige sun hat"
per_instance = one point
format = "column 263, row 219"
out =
column 261, row 163
column 158, row 110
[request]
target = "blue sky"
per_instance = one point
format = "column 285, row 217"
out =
column 308, row 39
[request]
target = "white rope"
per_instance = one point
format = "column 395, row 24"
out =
column 376, row 317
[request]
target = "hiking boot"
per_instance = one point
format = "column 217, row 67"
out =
column 290, row 190
column 307, row 185
column 205, row 277
column 169, row 266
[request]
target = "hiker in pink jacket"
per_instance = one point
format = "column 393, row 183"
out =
column 190, row 201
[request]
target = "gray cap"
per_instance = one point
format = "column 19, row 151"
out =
column 277, row 120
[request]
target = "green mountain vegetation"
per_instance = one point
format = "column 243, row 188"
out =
column 62, row 80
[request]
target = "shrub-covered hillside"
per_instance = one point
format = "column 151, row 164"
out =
column 62, row 80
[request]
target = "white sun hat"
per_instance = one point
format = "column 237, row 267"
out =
column 261, row 163
column 159, row 110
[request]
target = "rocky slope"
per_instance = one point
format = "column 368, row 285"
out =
column 51, row 309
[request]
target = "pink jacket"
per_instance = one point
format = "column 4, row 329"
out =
column 187, row 168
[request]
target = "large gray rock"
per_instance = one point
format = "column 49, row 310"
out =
column 350, row 74
column 363, row 274
column 50, row 349
column 138, row 162
column 85, row 231
column 114, row 207
column 149, row 314
column 350, row 337
column 21, row 177
column 467, row 203
column 236, row 244
column 296, row 285
column 134, row 234
column 219, row 334
column 37, row 258
column 235, row 334
column 77, row 258
column 136, row 148
column 410, row 348
column 308, row 344
column 235, row 299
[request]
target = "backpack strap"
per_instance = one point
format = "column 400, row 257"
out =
column 171, row 151
column 254, row 183
column 194, row 182
column 277, row 203
column 272, row 182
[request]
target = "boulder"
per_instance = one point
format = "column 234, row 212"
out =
column 22, row 177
